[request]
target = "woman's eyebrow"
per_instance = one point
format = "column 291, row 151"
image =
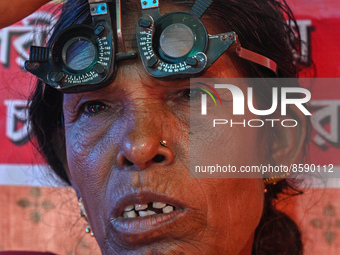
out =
column 175, row 84
column 74, row 98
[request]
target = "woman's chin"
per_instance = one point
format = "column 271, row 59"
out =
column 168, row 246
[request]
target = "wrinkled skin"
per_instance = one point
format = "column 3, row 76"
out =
column 112, row 138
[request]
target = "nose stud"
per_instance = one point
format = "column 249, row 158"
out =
column 164, row 143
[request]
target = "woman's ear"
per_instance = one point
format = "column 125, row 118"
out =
column 65, row 165
column 289, row 141
column 60, row 149
column 74, row 186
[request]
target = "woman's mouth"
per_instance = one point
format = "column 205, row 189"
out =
column 152, row 208
column 144, row 217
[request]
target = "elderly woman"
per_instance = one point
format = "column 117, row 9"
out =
column 121, row 138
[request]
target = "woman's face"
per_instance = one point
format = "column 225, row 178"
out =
column 115, row 160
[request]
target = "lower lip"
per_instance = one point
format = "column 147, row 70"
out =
column 140, row 229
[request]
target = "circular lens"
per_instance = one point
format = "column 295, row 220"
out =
column 176, row 40
column 79, row 53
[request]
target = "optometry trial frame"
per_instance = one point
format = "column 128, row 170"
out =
column 172, row 46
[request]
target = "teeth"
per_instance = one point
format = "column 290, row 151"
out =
column 130, row 214
column 140, row 207
column 135, row 210
column 168, row 209
column 129, row 208
column 150, row 212
column 158, row 205
column 146, row 213
column 143, row 213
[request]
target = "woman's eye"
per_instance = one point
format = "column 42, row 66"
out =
column 94, row 107
column 190, row 93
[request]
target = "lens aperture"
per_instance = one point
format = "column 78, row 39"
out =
column 79, row 54
column 176, row 40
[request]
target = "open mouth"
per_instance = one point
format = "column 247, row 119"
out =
column 145, row 216
column 151, row 208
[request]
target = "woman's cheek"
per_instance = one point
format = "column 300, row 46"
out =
column 88, row 141
column 229, row 212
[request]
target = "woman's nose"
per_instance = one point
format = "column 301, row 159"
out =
column 144, row 146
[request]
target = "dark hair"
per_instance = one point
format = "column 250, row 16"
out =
column 261, row 26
